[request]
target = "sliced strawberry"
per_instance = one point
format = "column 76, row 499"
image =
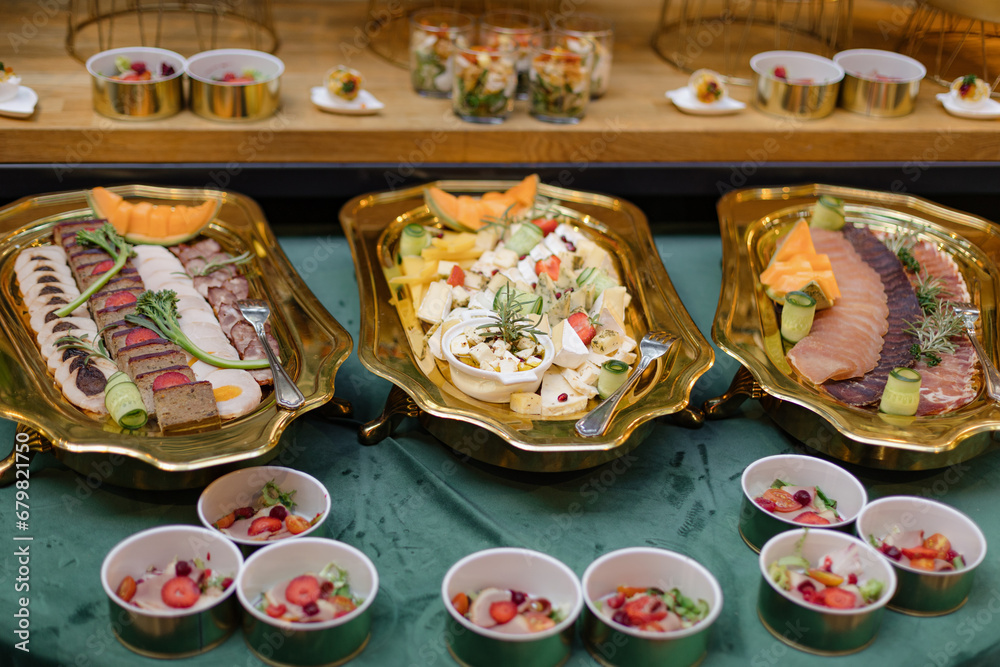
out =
column 169, row 379
column 549, row 265
column 645, row 609
column 836, row 598
column 102, row 267
column 616, row 601
column 457, row 276
column 503, row 611
column 119, row 299
column 264, row 524
column 296, row 524
column 584, row 328
column 139, row 335
column 547, row 225
column 461, row 603
column 812, row 519
column 920, row 552
column 226, row 521
column 302, row 590
column 276, row 610
column 126, row 589
column 783, row 500
column 180, row 593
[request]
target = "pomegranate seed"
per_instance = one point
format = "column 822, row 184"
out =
column 517, row 597
column 563, row 398
column 802, row 497
column 183, row 568
column 621, row 617
column 522, row 257
column 227, row 582
column 310, row 609
column 892, row 552
column 534, row 285
column 558, row 295
column 852, row 578
column 495, row 271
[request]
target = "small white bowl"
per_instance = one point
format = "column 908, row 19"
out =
column 171, row 633
column 238, row 488
column 920, row 592
column 231, row 101
column 532, row 572
column 651, row 567
column 808, row 91
column 326, row 642
column 879, row 83
column 9, row 88
column 492, row 386
column 824, row 630
column 757, row 525
column 159, row 97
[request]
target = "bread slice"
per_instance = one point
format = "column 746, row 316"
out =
column 145, row 383
column 186, row 406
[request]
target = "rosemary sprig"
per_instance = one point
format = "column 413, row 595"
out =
column 934, row 333
column 215, row 265
column 930, row 291
column 501, row 223
column 901, row 244
column 510, row 325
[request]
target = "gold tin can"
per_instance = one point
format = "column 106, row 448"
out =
column 235, row 85
column 157, row 97
column 879, row 83
column 794, row 84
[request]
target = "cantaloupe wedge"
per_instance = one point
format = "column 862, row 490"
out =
column 795, row 264
column 466, row 213
column 145, row 222
column 524, row 192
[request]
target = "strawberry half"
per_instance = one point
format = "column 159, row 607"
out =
column 169, row 380
column 503, row 611
column 302, row 590
column 457, row 276
column 180, row 593
column 549, row 265
column 547, row 225
column 119, row 299
column 264, row 524
column 583, row 326
column 812, row 519
column 139, row 335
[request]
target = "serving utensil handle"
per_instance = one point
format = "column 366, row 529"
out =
column 286, row 394
column 597, row 420
column 991, row 376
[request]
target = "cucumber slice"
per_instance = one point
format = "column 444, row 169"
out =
column 413, row 239
column 597, row 279
column 797, row 316
column 828, row 213
column 123, row 401
column 901, row 395
column 524, row 239
column 613, row 375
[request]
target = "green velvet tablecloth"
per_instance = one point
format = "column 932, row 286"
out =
column 415, row 509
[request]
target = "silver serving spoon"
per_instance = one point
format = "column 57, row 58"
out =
column 653, row 345
column 286, row 394
column 970, row 313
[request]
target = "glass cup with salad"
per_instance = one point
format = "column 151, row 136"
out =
column 560, row 78
column 512, row 30
column 484, row 85
column 435, row 34
column 599, row 32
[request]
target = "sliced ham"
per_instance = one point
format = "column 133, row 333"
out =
column 845, row 340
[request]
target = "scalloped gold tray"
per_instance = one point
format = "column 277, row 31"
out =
column 313, row 345
column 498, row 435
column 746, row 327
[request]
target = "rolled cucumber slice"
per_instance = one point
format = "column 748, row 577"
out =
column 413, row 239
column 613, row 375
column 797, row 316
column 123, row 401
column 828, row 213
column 901, row 395
column 524, row 239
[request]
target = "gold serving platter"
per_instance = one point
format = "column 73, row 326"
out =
column 313, row 345
column 491, row 432
column 746, row 328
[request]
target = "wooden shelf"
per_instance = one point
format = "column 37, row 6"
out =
column 634, row 123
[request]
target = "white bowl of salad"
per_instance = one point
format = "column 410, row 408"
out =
column 260, row 505
column 235, row 84
column 652, row 606
column 934, row 548
column 315, row 593
column 830, row 586
column 788, row 491
column 514, row 606
column 170, row 590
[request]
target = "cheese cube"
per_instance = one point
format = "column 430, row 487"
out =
column 436, row 303
column 484, row 356
column 539, row 252
column 576, row 381
column 555, row 244
column 558, row 397
column 570, row 350
column 474, row 281
column 459, row 345
column 527, row 269
column 459, row 296
column 526, row 404
column 481, row 300
column 505, row 258
column 444, row 267
column 486, row 238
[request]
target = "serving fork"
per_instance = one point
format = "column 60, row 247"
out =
column 969, row 314
column 286, row 394
column 653, row 345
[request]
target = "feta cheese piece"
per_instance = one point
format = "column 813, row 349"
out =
column 436, row 303
column 526, row 267
column 509, row 363
column 459, row 296
column 576, row 381
column 445, row 267
column 570, row 350
column 459, row 345
column 526, row 404
column 539, row 252
column 484, row 356
column 505, row 258
column 555, row 244
column 558, row 397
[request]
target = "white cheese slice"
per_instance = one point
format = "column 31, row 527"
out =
column 526, row 404
column 539, row 252
column 555, row 244
column 505, row 258
column 436, row 303
column 607, row 320
column 445, row 267
column 615, row 299
column 482, row 300
column 578, row 383
column 513, row 275
column 554, row 388
column 570, row 350
column 527, row 269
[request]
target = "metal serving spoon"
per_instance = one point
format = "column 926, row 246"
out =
column 653, row 345
column 286, row 394
column 970, row 313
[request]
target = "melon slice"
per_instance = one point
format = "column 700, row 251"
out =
column 524, row 192
column 796, row 264
column 467, row 213
column 145, row 222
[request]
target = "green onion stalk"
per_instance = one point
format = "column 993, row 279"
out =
column 108, row 240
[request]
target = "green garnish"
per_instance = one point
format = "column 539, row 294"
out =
column 123, row 64
column 337, row 576
column 157, row 311
column 215, row 265
column 934, row 334
column 107, row 239
column 777, row 484
column 830, row 504
column 272, row 495
column 929, row 291
column 905, row 256
column 870, row 590
column 901, row 244
column 509, row 324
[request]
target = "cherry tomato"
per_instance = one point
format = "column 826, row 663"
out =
column 783, row 500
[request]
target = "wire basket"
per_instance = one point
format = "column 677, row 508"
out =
column 179, row 25
column 387, row 32
column 723, row 34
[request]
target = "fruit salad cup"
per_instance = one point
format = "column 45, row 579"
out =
column 512, row 30
column 137, row 83
column 485, row 84
column 560, row 78
column 599, row 32
column 435, row 34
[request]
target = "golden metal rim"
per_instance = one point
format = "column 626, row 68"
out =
column 275, row 663
column 172, row 656
column 750, row 544
column 589, row 645
column 927, row 614
column 808, row 649
column 454, row 656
